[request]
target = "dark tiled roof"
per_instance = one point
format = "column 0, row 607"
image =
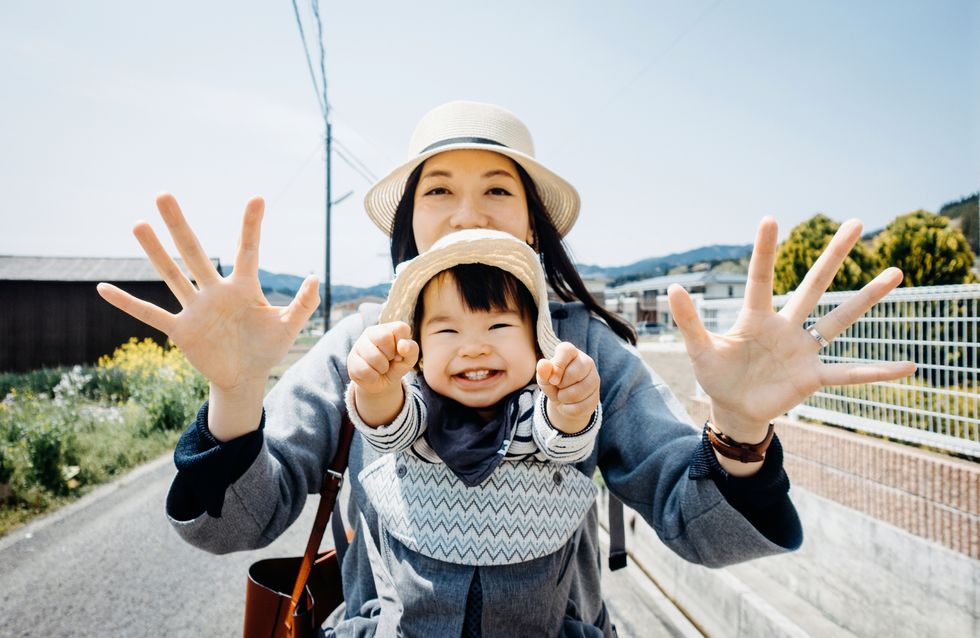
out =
column 16, row 268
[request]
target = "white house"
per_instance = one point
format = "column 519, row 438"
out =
column 646, row 300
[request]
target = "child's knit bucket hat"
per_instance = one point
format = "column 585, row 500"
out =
column 472, row 246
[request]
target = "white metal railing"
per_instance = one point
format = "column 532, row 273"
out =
column 937, row 327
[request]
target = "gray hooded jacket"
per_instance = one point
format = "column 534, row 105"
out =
column 649, row 454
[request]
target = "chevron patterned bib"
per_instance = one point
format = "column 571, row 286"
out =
column 524, row 510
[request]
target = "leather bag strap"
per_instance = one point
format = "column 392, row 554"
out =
column 332, row 482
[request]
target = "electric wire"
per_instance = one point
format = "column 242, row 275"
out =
column 342, row 155
column 309, row 64
column 302, row 168
column 614, row 95
column 355, row 158
column 315, row 4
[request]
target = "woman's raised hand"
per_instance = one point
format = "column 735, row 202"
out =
column 767, row 363
column 226, row 328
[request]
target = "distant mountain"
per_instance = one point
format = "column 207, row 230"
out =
column 286, row 284
column 345, row 293
column 651, row 267
column 656, row 266
column 289, row 285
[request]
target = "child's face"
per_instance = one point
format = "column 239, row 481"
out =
column 474, row 357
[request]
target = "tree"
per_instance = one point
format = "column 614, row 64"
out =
column 803, row 246
column 928, row 250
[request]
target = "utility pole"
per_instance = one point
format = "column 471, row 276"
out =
column 326, row 276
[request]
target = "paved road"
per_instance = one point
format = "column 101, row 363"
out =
column 111, row 565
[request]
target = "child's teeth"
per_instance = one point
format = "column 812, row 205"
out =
column 476, row 375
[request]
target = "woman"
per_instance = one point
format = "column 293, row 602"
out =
column 245, row 472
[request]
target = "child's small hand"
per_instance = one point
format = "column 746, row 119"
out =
column 381, row 356
column 571, row 383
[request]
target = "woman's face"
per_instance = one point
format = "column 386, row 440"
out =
column 469, row 189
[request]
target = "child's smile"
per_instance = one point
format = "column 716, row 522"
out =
column 475, row 357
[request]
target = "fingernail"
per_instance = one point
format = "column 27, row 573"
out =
column 554, row 380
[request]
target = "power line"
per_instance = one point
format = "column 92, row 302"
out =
column 342, row 155
column 614, row 95
column 340, row 117
column 315, row 4
column 309, row 63
column 354, row 157
column 282, row 191
column 663, row 53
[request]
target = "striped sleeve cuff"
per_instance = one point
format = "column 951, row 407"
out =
column 398, row 435
column 557, row 445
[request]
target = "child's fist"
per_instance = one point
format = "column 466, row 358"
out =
column 381, row 356
column 571, row 382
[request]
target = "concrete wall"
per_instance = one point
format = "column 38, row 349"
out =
column 853, row 576
column 931, row 495
column 890, row 547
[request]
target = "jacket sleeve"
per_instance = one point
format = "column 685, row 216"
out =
column 652, row 457
column 302, row 416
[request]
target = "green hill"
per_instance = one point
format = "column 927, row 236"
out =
column 967, row 212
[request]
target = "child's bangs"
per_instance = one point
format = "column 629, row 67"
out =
column 488, row 288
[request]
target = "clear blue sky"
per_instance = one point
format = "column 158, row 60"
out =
column 681, row 123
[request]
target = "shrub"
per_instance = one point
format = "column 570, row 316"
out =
column 62, row 430
column 34, row 382
column 158, row 379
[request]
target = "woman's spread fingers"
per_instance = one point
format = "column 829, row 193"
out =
column 840, row 318
column 247, row 257
column 146, row 312
column 164, row 264
column 303, row 305
column 849, row 373
column 190, row 249
column 822, row 273
column 758, row 287
column 686, row 317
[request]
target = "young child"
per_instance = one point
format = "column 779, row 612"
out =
column 472, row 314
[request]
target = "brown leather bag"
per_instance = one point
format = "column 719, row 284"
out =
column 291, row 597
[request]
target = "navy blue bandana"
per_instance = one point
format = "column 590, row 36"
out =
column 470, row 447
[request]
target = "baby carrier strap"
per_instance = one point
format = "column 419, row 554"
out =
column 572, row 324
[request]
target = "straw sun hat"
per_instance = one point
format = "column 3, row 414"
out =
column 472, row 125
column 472, row 246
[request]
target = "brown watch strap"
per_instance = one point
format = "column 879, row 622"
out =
column 732, row 449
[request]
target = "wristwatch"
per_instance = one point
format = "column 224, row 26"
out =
column 732, row 449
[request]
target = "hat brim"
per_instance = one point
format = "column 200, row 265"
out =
column 560, row 199
column 472, row 246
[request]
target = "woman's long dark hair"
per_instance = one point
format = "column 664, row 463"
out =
column 558, row 267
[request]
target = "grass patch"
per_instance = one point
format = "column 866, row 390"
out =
column 65, row 431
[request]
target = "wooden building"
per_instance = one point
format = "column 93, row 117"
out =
column 51, row 314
